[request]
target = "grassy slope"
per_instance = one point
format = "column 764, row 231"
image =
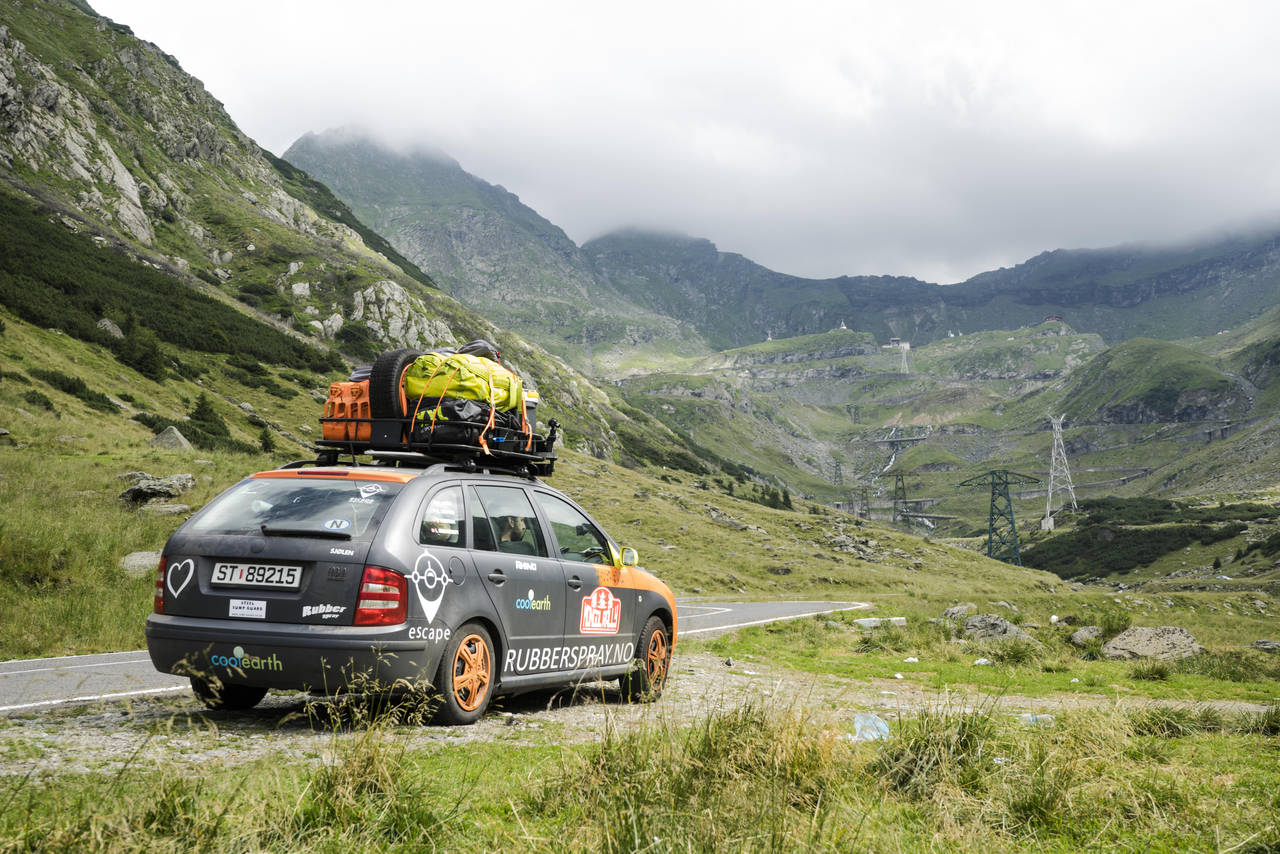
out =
column 64, row 531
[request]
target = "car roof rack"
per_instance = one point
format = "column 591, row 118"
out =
column 383, row 440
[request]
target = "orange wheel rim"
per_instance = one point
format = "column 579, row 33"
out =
column 655, row 660
column 472, row 670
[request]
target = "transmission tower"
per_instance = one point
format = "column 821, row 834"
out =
column 1002, row 531
column 864, row 511
column 1059, row 474
column 899, row 495
column 906, row 357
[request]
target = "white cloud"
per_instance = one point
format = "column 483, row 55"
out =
column 930, row 139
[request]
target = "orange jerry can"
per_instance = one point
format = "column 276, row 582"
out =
column 347, row 400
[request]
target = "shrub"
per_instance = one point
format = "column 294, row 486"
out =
column 936, row 747
column 75, row 387
column 1113, row 621
column 35, row 398
column 1150, row 671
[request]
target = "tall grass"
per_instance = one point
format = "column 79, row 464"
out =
column 956, row 776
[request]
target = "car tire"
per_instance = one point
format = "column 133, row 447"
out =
column 465, row 678
column 386, row 383
column 648, row 672
column 222, row 697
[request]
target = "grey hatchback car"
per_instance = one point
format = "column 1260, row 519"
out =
column 328, row 578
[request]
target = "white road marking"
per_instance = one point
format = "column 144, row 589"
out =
column 70, row 657
column 90, row 698
column 711, row 610
column 73, row 666
column 857, row 606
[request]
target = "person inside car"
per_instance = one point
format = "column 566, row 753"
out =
column 511, row 536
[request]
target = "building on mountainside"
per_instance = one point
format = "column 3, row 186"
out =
column 1052, row 318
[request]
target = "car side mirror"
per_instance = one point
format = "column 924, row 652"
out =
column 629, row 557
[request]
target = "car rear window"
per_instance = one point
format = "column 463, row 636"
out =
column 288, row 506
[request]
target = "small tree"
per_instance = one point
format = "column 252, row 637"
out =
column 207, row 418
column 266, row 441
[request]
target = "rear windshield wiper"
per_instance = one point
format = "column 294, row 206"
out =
column 298, row 531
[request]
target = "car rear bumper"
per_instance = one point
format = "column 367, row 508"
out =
column 286, row 656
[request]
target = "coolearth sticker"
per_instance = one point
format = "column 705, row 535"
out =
column 251, row 609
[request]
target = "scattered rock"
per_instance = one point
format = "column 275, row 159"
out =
column 107, row 326
column 959, row 612
column 166, row 509
column 140, row 564
column 981, row 662
column 1007, row 605
column 1161, row 642
column 171, row 437
column 1081, row 636
column 148, row 488
column 877, row 622
column 994, row 627
column 1268, row 645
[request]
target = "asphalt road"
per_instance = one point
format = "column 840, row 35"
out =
column 30, row 685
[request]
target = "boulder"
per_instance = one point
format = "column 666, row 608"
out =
column 1268, row 645
column 108, row 326
column 171, row 438
column 1161, row 642
column 140, row 564
column 150, row 488
column 1084, row 634
column 994, row 627
column 166, row 509
column 959, row 612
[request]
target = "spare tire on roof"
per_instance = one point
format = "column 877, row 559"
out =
column 386, row 383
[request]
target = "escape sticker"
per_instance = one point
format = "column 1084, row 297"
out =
column 429, row 581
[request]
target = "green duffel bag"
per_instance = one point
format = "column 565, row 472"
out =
column 441, row 375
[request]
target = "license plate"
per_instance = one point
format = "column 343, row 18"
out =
column 256, row 575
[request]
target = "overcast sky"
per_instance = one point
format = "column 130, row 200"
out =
column 933, row 139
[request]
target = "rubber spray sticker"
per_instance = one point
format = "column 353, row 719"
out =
column 429, row 580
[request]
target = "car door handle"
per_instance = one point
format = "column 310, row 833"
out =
column 575, row 582
column 497, row 577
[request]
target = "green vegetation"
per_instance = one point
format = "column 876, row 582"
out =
column 1097, row 550
column 57, row 279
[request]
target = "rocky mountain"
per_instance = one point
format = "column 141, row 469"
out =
column 1118, row 293
column 491, row 251
column 108, row 136
column 667, row 295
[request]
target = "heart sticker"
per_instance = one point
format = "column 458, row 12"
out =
column 185, row 568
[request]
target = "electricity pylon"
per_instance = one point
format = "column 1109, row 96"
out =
column 1002, row 531
column 899, row 495
column 906, row 358
column 1059, row 474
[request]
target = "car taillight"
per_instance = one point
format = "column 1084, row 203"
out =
column 158, row 604
column 383, row 597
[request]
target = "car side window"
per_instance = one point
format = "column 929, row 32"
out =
column 503, row 520
column 578, row 539
column 442, row 519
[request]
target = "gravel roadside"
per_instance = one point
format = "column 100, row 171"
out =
column 176, row 732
